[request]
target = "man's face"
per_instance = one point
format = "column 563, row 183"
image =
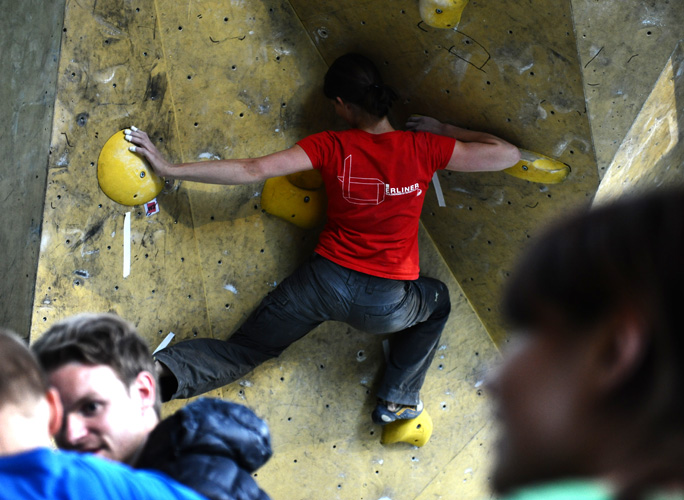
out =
column 101, row 415
column 542, row 404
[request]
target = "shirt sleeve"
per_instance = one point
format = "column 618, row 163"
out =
column 440, row 148
column 318, row 147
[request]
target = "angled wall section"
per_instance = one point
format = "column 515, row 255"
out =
column 109, row 76
column 623, row 47
column 652, row 154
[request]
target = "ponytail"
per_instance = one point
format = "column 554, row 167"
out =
column 379, row 101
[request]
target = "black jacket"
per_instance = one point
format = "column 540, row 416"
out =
column 212, row 446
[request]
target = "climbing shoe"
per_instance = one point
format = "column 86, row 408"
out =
column 386, row 412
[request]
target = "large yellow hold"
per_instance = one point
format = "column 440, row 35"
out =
column 416, row 431
column 442, row 13
column 297, row 198
column 125, row 176
column 535, row 167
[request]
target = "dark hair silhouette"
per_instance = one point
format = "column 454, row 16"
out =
column 626, row 256
column 355, row 79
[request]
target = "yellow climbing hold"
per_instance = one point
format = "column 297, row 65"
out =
column 442, row 13
column 303, row 207
column 535, row 167
column 416, row 431
column 125, row 176
column 308, row 179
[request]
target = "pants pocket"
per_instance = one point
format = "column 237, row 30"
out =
column 387, row 318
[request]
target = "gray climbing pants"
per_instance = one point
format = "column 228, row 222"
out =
column 320, row 290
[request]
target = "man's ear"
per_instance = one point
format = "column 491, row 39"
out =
column 622, row 346
column 145, row 388
column 56, row 411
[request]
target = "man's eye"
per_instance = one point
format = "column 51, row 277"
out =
column 90, row 408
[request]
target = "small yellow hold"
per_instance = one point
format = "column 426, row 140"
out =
column 535, row 167
column 303, row 207
column 442, row 13
column 416, row 431
column 125, row 176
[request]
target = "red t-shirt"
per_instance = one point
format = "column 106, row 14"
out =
column 376, row 184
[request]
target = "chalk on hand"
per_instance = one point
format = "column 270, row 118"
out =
column 127, row 131
column 132, row 149
column 134, row 128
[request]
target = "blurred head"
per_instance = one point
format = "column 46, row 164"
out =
column 29, row 410
column 355, row 80
column 593, row 382
column 106, row 380
column 21, row 379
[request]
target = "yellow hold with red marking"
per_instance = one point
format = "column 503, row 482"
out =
column 126, row 177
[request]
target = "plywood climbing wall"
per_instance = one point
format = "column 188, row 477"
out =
column 212, row 79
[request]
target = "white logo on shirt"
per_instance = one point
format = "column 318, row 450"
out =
column 367, row 190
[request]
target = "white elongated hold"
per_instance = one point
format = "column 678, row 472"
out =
column 127, row 245
column 438, row 190
column 167, row 340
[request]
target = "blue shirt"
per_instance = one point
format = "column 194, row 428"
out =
column 61, row 475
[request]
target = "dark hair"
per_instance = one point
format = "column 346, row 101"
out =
column 355, row 79
column 21, row 377
column 97, row 339
column 625, row 255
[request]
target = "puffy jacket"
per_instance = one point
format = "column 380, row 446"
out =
column 212, row 446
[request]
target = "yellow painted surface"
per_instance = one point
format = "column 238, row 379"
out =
column 212, row 79
column 125, row 176
column 652, row 154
